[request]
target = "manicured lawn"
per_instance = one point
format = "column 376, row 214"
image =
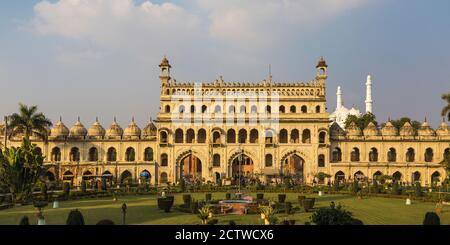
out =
column 143, row 210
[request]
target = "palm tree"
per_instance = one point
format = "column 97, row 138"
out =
column 29, row 122
column 446, row 109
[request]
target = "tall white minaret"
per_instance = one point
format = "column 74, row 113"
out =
column 339, row 102
column 369, row 101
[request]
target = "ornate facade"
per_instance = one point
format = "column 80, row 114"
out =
column 219, row 130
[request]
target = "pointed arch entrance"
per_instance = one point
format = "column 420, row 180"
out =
column 293, row 167
column 189, row 167
column 240, row 164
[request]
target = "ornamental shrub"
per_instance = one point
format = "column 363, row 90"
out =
column 281, row 198
column 288, row 207
column 75, row 218
column 355, row 187
column 44, row 191
column 396, row 189
column 187, row 200
column 332, row 216
column 208, row 197
column 83, row 186
column 300, row 200
column 308, row 204
column 431, row 218
column 418, row 189
column 259, row 196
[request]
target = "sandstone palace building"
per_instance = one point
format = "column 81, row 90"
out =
column 217, row 130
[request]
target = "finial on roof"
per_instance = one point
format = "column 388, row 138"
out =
column 132, row 119
column 60, row 118
column 115, row 119
column 96, row 119
column 78, row 119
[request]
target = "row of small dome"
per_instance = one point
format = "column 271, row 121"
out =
column 390, row 130
column 96, row 130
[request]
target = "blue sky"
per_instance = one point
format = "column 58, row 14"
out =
column 99, row 57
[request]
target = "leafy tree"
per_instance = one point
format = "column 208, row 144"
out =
column 361, row 121
column 400, row 122
column 332, row 216
column 28, row 122
column 446, row 109
column 20, row 169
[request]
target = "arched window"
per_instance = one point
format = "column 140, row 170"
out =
column 231, row 109
column 318, row 109
column 74, row 154
column 337, row 155
column 56, row 154
column 295, row 136
column 216, row 160
column 164, row 160
column 192, row 108
column 283, row 136
column 282, row 109
column 242, row 136
column 293, row 109
column 148, row 154
column 217, row 109
column 428, row 155
column 339, row 176
column 216, row 137
column 354, row 155
column 410, row 155
column 306, row 136
column 130, row 154
column 415, row 177
column 269, row 137
column 304, row 109
column 254, row 135
column 254, row 109
column 163, row 178
column 397, row 176
column 269, row 161
column 392, row 155
column 322, row 137
column 373, row 155
column 268, row 109
column 243, row 109
column 181, row 109
column 446, row 155
column 435, row 178
column 111, row 155
column 179, row 136
column 201, row 137
column 321, row 161
column 163, row 137
column 167, row 109
column 231, row 136
column 204, row 108
column 93, row 154
column 190, row 136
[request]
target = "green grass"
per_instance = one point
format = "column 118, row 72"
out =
column 143, row 210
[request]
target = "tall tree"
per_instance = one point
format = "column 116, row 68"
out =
column 400, row 122
column 446, row 110
column 361, row 121
column 28, row 122
column 20, row 169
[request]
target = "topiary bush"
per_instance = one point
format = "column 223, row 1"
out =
column 332, row 216
column 308, row 204
column 300, row 200
column 75, row 218
column 83, row 186
column 208, row 197
column 104, row 185
column 355, row 187
column 259, row 196
column 228, row 196
column 281, row 198
column 431, row 218
column 44, row 191
column 396, row 189
column 165, row 203
column 194, row 206
column 187, row 200
column 418, row 189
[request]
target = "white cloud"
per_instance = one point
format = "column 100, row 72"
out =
column 117, row 24
column 229, row 30
column 264, row 22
